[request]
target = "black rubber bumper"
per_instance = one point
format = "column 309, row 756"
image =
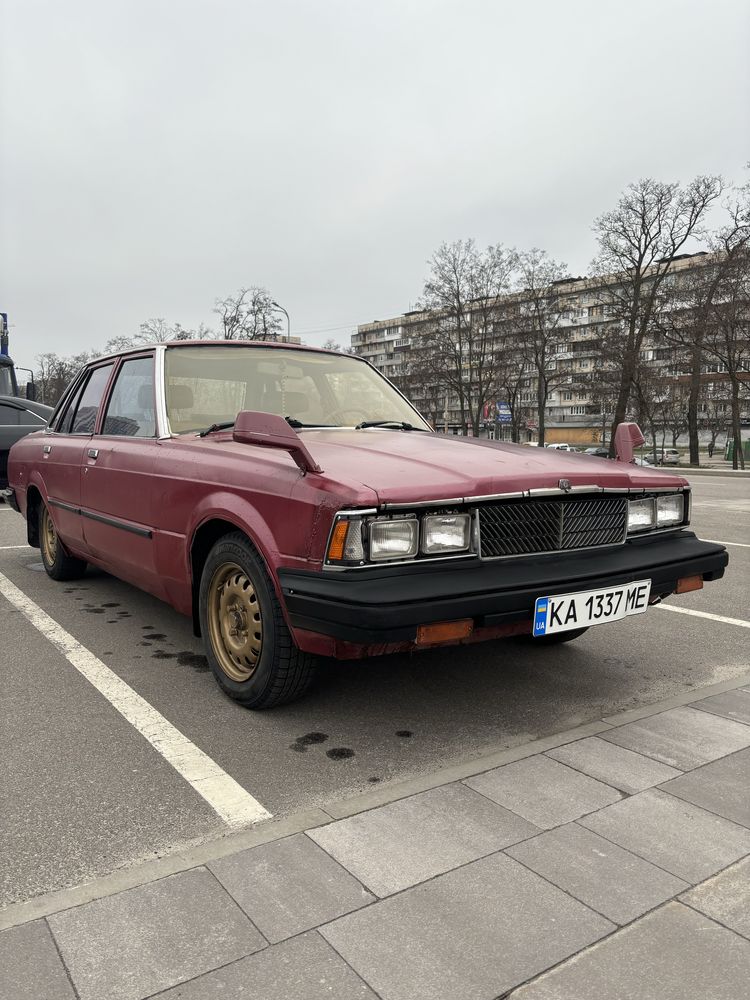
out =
column 386, row 604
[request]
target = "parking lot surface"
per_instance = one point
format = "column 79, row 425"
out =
column 84, row 793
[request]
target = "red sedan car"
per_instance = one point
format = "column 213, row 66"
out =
column 295, row 504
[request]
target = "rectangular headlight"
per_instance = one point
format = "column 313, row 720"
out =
column 670, row 509
column 394, row 539
column 641, row 515
column 446, row 533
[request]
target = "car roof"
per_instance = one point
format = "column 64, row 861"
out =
column 177, row 344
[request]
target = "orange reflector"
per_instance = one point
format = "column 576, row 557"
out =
column 688, row 583
column 444, row 632
column 338, row 540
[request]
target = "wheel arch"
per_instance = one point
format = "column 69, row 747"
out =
column 204, row 537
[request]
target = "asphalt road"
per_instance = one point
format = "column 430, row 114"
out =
column 83, row 793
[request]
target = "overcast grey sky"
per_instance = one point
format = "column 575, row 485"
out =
column 156, row 154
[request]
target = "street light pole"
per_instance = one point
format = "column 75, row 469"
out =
column 288, row 322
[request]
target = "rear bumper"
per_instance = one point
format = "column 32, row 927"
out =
column 385, row 605
column 9, row 495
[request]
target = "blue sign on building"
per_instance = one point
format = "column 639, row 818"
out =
column 503, row 413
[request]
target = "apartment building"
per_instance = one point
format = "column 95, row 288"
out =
column 577, row 406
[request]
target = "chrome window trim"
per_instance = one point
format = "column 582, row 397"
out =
column 164, row 431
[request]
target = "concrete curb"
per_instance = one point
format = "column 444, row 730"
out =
column 277, row 829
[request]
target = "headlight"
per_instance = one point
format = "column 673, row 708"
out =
column 641, row 515
column 670, row 509
column 394, row 539
column 445, row 533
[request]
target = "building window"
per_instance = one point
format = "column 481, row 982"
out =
column 577, row 411
column 567, row 395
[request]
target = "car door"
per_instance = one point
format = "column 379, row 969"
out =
column 15, row 422
column 117, row 481
column 61, row 452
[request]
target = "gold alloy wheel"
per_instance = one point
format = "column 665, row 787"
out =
column 48, row 539
column 235, row 623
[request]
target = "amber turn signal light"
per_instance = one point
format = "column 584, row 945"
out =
column 688, row 583
column 444, row 632
column 338, row 540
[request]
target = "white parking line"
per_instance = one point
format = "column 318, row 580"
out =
column 713, row 541
column 6, row 548
column 704, row 614
column 226, row 797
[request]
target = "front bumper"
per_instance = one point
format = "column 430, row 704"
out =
column 383, row 605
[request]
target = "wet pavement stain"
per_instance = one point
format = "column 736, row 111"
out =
column 145, row 643
column 111, row 621
column 93, row 611
column 154, row 635
column 373, row 781
column 111, row 604
column 340, row 753
column 186, row 658
column 162, row 654
column 404, row 734
column 148, row 628
column 301, row 744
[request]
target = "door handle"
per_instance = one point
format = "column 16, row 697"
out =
column 93, row 452
column 47, row 449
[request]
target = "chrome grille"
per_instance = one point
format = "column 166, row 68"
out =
column 520, row 527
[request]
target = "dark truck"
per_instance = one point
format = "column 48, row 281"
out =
column 18, row 416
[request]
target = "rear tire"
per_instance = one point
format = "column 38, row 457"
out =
column 249, row 648
column 55, row 559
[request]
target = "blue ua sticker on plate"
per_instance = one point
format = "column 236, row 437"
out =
column 540, row 616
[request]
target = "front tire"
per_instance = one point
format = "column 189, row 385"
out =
column 557, row 637
column 55, row 559
column 250, row 649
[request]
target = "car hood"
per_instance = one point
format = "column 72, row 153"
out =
column 408, row 466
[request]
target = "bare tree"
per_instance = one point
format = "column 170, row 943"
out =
column 728, row 336
column 456, row 352
column 638, row 243
column 157, row 331
column 541, row 291
column 54, row 374
column 248, row 315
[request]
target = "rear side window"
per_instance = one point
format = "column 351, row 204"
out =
column 130, row 412
column 80, row 417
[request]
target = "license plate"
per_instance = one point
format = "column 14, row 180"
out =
column 564, row 612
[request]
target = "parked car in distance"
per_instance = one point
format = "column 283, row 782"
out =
column 643, row 460
column 560, row 447
column 295, row 505
column 18, row 417
column 669, row 456
column 597, row 452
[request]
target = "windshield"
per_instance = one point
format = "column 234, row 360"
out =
column 210, row 385
column 6, row 382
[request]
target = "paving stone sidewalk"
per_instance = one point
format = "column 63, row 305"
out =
column 608, row 863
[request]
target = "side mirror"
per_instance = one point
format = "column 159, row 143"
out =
column 272, row 431
column 31, row 392
column 628, row 437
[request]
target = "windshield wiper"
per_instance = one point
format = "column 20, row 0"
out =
column 400, row 425
column 293, row 422
column 217, row 427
